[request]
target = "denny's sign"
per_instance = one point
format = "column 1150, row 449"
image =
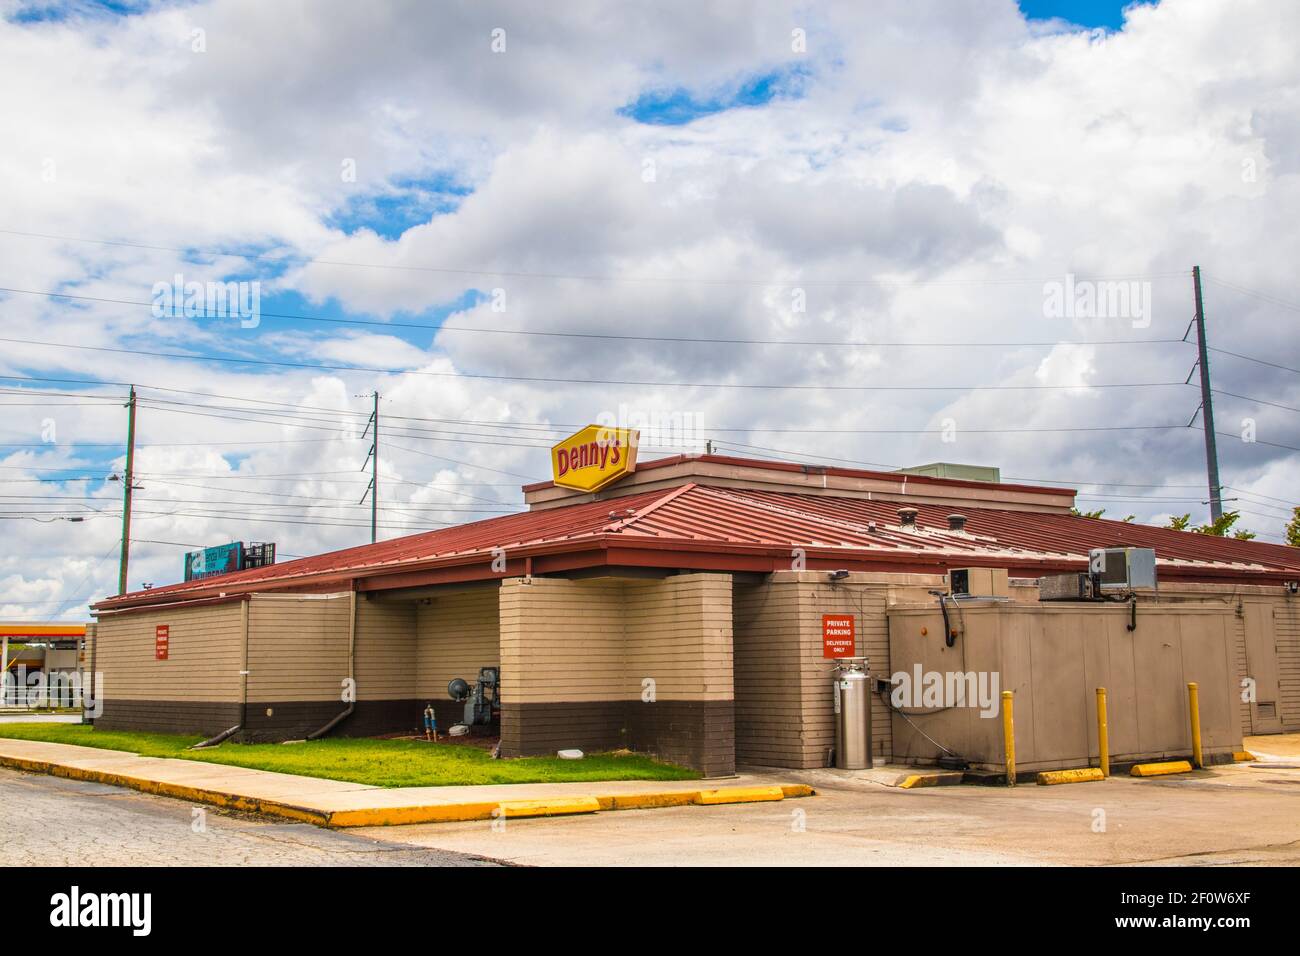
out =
column 594, row 457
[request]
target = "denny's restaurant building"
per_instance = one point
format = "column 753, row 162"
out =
column 676, row 607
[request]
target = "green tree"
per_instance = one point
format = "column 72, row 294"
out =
column 1098, row 513
column 1220, row 528
column 1292, row 532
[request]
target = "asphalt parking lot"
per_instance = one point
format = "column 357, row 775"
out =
column 1243, row 814
column 1236, row 814
column 49, row 821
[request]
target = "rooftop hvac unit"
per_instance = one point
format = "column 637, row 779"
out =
column 1122, row 569
column 1067, row 587
column 978, row 582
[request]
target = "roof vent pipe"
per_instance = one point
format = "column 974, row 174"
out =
column 907, row 517
column 956, row 522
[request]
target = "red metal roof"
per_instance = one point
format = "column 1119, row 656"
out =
column 737, row 529
column 791, row 467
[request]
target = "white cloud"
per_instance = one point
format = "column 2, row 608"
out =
column 958, row 152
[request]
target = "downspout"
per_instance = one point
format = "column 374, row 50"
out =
column 94, row 690
column 352, row 669
column 243, row 680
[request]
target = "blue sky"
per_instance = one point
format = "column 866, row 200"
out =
column 408, row 202
column 904, row 144
column 1086, row 13
column 675, row 105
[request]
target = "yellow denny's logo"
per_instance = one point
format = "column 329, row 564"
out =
column 594, row 457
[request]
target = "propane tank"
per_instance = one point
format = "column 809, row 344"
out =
column 852, row 714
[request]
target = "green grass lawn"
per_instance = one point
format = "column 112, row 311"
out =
column 381, row 763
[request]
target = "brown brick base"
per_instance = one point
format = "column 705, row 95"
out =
column 169, row 716
column 289, row 720
column 696, row 734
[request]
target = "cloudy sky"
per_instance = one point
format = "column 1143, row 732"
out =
column 834, row 233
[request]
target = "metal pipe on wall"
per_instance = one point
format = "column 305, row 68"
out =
column 352, row 670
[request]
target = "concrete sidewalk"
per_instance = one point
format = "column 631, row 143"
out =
column 337, row 803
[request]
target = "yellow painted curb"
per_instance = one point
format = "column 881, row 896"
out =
column 551, row 807
column 1244, row 756
column 647, row 801
column 428, row 813
column 1083, row 775
column 739, row 795
column 1161, row 769
column 178, row 791
column 398, row 816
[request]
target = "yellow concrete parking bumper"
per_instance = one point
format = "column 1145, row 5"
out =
column 739, row 795
column 1083, row 775
column 1161, row 769
column 945, row 778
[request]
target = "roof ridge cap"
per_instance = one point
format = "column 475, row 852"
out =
column 786, row 510
column 654, row 506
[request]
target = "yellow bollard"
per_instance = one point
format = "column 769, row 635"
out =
column 1009, row 736
column 1103, row 734
column 1194, row 710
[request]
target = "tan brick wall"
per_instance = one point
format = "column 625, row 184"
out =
column 598, row 639
column 204, row 658
column 456, row 634
column 768, row 665
column 1286, row 617
column 298, row 647
column 784, row 697
column 678, row 633
column 562, row 640
column 386, row 649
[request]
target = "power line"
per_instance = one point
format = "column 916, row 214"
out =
column 173, row 444
column 1251, row 358
column 1258, row 401
column 1256, row 494
column 1259, row 441
column 586, row 277
column 560, row 431
column 1254, row 293
column 675, row 339
column 545, row 425
column 586, row 381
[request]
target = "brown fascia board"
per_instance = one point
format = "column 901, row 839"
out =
column 809, row 480
column 98, row 611
column 472, row 566
column 607, row 549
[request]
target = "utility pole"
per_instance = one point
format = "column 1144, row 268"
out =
column 126, row 493
column 1207, row 404
column 373, row 458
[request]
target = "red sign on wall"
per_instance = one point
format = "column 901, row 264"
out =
column 161, row 638
column 837, row 636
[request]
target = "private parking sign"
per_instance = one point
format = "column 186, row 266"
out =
column 838, row 636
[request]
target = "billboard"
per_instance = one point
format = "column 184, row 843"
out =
column 225, row 558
